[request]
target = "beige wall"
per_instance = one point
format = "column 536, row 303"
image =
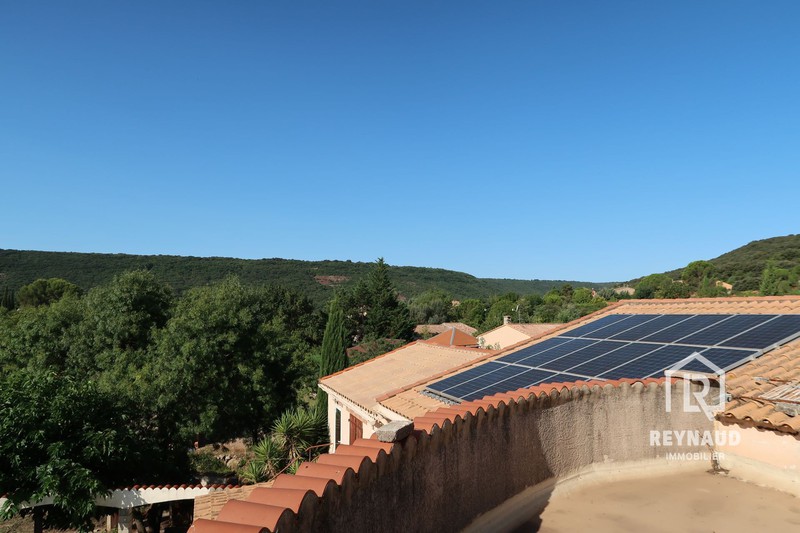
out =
column 763, row 456
column 348, row 409
column 502, row 337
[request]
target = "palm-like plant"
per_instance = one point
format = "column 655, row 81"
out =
column 270, row 456
column 299, row 429
column 296, row 433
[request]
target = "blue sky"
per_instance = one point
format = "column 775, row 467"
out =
column 537, row 139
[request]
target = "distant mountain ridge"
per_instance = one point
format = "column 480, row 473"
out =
column 743, row 266
column 315, row 279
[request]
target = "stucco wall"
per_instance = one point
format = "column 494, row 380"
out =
column 443, row 480
column 763, row 456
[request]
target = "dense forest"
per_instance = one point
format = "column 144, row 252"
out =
column 314, row 279
column 744, row 267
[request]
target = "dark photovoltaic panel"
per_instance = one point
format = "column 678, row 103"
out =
column 606, row 362
column 724, row 330
column 540, row 358
column 464, row 376
column 767, row 334
column 652, row 363
column 724, row 358
column 650, row 327
column 594, row 326
column 495, row 376
column 581, row 356
column 618, row 327
column 537, row 348
column 685, row 328
column 626, row 346
column 527, row 378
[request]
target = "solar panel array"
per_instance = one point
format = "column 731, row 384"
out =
column 626, row 346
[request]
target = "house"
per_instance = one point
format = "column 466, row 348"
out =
column 435, row 329
column 625, row 290
column 510, row 334
column 354, row 410
column 492, row 463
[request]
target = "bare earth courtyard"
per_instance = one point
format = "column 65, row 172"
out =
column 693, row 502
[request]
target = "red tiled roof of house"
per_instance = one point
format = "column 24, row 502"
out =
column 433, row 329
column 453, row 337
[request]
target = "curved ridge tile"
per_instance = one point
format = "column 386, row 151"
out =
column 254, row 514
column 289, row 498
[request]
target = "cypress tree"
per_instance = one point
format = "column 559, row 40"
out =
column 334, row 344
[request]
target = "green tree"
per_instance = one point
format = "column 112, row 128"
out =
column 46, row 291
column 333, row 356
column 472, row 311
column 45, row 336
column 661, row 286
column 695, row 272
column 61, row 437
column 224, row 363
column 776, row 281
column 373, row 310
column 431, row 307
column 8, row 300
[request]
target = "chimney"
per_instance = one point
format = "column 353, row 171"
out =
column 506, row 319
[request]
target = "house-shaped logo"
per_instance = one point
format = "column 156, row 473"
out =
column 701, row 398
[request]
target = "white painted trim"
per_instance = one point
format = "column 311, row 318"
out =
column 127, row 498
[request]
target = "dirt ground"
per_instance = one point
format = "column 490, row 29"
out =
column 695, row 502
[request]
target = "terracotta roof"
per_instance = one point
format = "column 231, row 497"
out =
column 209, row 506
column 363, row 383
column 278, row 507
column 760, row 388
column 454, row 337
column 411, row 401
column 726, row 305
column 534, row 330
column 509, row 334
column 434, row 329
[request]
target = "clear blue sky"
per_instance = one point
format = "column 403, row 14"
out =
column 537, row 139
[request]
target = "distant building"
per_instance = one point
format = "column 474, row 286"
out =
column 435, row 329
column 510, row 334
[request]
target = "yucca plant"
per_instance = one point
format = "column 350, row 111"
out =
column 299, row 429
column 252, row 472
column 270, row 456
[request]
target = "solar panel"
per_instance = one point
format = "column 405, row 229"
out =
column 765, row 335
column 606, row 362
column 595, row 325
column 725, row 329
column 618, row 327
column 537, row 358
column 495, row 376
column 535, row 349
column 724, row 358
column 685, row 328
column 462, row 377
column 650, row 327
column 583, row 355
column 626, row 346
column 527, row 378
column 653, row 363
